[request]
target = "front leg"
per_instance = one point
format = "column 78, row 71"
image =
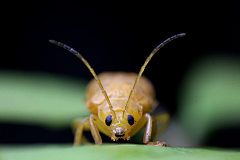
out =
column 95, row 133
column 148, row 130
column 79, row 126
column 86, row 125
column 148, row 133
column 147, row 120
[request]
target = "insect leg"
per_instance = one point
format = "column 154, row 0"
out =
column 148, row 121
column 86, row 124
column 160, row 122
column 146, row 118
column 100, row 126
column 82, row 125
column 94, row 124
column 148, row 130
column 95, row 133
column 75, row 124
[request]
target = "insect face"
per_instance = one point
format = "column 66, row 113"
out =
column 120, row 124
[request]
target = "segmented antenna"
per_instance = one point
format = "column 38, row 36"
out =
column 146, row 62
column 76, row 53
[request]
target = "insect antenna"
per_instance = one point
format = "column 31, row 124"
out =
column 76, row 53
column 146, row 62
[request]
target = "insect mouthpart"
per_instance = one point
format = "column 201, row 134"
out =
column 119, row 133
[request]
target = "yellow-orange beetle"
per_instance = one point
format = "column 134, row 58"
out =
column 120, row 108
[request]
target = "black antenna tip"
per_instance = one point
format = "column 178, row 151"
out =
column 52, row 41
column 181, row 34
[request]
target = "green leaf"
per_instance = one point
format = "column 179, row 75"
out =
column 110, row 152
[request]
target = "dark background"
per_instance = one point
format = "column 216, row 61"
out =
column 117, row 36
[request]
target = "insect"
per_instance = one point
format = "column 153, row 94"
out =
column 121, row 107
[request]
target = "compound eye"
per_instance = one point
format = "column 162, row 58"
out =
column 108, row 120
column 130, row 119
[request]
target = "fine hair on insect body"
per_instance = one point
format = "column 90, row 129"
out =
column 122, row 111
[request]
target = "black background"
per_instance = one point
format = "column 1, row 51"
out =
column 118, row 36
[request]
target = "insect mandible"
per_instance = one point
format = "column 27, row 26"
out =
column 120, row 108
